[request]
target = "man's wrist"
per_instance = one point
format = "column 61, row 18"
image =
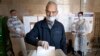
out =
column 40, row 42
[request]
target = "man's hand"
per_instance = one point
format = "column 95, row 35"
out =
column 12, row 30
column 44, row 44
column 22, row 34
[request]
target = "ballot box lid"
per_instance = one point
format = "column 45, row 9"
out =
column 58, row 52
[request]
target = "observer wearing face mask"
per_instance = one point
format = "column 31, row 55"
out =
column 48, row 32
column 17, row 34
column 80, row 31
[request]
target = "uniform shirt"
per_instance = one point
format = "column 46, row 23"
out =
column 54, row 36
column 16, row 24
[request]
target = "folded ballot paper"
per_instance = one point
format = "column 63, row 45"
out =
column 45, row 52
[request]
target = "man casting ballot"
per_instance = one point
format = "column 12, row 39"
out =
column 48, row 32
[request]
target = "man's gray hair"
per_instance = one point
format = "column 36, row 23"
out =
column 49, row 3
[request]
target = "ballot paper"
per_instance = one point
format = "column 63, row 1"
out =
column 45, row 52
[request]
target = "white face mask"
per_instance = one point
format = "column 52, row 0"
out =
column 81, row 17
column 14, row 16
column 51, row 18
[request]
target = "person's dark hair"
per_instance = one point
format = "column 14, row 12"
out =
column 12, row 10
column 80, row 13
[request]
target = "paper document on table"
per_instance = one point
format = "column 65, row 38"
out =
column 46, row 52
